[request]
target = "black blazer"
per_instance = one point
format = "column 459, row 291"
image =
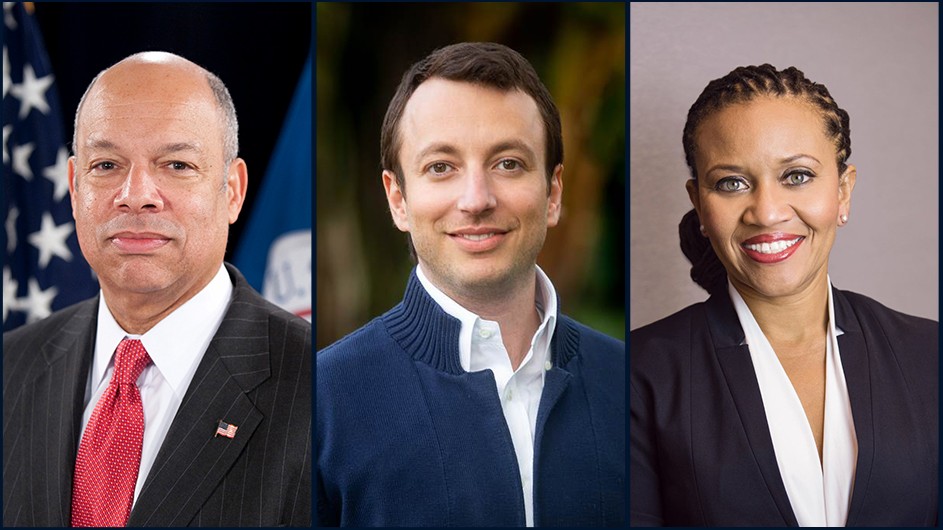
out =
column 700, row 448
column 256, row 374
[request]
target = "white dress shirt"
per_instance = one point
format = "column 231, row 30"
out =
column 819, row 491
column 480, row 348
column 175, row 345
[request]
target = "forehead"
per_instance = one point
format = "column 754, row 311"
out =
column 764, row 125
column 149, row 102
column 466, row 113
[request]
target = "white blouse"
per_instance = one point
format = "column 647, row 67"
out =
column 819, row 493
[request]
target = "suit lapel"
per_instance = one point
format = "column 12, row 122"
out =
column 855, row 364
column 192, row 461
column 737, row 367
column 68, row 355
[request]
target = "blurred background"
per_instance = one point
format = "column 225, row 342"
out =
column 52, row 51
column 578, row 50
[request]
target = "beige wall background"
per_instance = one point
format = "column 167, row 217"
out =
column 880, row 63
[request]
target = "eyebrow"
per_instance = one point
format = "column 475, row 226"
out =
column 511, row 145
column 449, row 149
column 793, row 158
column 784, row 161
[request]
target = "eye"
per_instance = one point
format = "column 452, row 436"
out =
column 509, row 164
column 179, row 166
column 731, row 184
column 797, row 178
column 439, row 168
column 104, row 166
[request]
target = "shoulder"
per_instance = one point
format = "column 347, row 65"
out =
column 673, row 334
column 357, row 358
column 913, row 339
column 895, row 323
column 248, row 304
column 590, row 341
column 32, row 336
column 597, row 357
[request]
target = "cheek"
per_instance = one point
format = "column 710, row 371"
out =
column 719, row 217
column 819, row 211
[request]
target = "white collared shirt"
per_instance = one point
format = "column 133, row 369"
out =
column 175, row 345
column 819, row 491
column 481, row 348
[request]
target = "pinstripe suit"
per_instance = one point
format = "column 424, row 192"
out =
column 255, row 374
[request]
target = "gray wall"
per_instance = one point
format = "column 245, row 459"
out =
column 878, row 60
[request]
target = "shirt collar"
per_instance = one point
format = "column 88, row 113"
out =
column 545, row 301
column 176, row 343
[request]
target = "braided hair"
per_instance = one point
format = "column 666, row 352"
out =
column 741, row 85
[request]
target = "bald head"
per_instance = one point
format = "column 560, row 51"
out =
column 153, row 72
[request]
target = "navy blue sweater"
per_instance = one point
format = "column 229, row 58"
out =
column 406, row 437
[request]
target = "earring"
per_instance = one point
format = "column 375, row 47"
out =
column 703, row 231
column 844, row 218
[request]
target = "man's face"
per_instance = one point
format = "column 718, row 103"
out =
column 152, row 196
column 476, row 201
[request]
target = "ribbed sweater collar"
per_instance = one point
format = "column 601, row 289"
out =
column 430, row 335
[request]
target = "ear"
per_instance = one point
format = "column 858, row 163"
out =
column 555, row 197
column 397, row 201
column 846, row 184
column 691, row 186
column 237, row 180
column 70, row 171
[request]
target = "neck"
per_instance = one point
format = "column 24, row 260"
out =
column 137, row 313
column 792, row 319
column 512, row 306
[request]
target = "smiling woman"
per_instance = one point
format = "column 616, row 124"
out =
column 790, row 401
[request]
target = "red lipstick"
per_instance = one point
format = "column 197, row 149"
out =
column 772, row 248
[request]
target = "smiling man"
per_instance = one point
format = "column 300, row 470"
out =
column 178, row 396
column 473, row 402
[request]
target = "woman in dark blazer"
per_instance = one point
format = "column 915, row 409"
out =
column 780, row 401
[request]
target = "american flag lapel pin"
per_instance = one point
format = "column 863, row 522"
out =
column 225, row 429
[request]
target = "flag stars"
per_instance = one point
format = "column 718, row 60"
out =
column 32, row 91
column 21, row 154
column 38, row 303
column 59, row 175
column 8, row 17
column 50, row 240
column 7, row 129
column 10, row 287
column 10, row 226
column 7, row 80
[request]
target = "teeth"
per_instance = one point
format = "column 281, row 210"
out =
column 772, row 248
column 478, row 237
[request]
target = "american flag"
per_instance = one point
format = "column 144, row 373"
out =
column 43, row 268
column 225, row 429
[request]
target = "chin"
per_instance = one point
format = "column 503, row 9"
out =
column 775, row 285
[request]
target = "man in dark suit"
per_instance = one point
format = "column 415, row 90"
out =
column 178, row 396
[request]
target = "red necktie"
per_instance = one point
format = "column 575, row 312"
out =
column 106, row 468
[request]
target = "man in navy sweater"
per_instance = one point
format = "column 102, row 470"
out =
column 474, row 401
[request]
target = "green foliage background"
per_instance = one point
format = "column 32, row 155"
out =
column 578, row 49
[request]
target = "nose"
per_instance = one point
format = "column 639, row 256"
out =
column 769, row 206
column 477, row 195
column 139, row 191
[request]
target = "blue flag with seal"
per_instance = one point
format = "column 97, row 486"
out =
column 274, row 253
column 43, row 268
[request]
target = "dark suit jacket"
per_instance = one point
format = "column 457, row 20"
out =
column 700, row 449
column 256, row 374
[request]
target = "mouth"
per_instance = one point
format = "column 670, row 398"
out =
column 478, row 239
column 772, row 248
column 138, row 242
